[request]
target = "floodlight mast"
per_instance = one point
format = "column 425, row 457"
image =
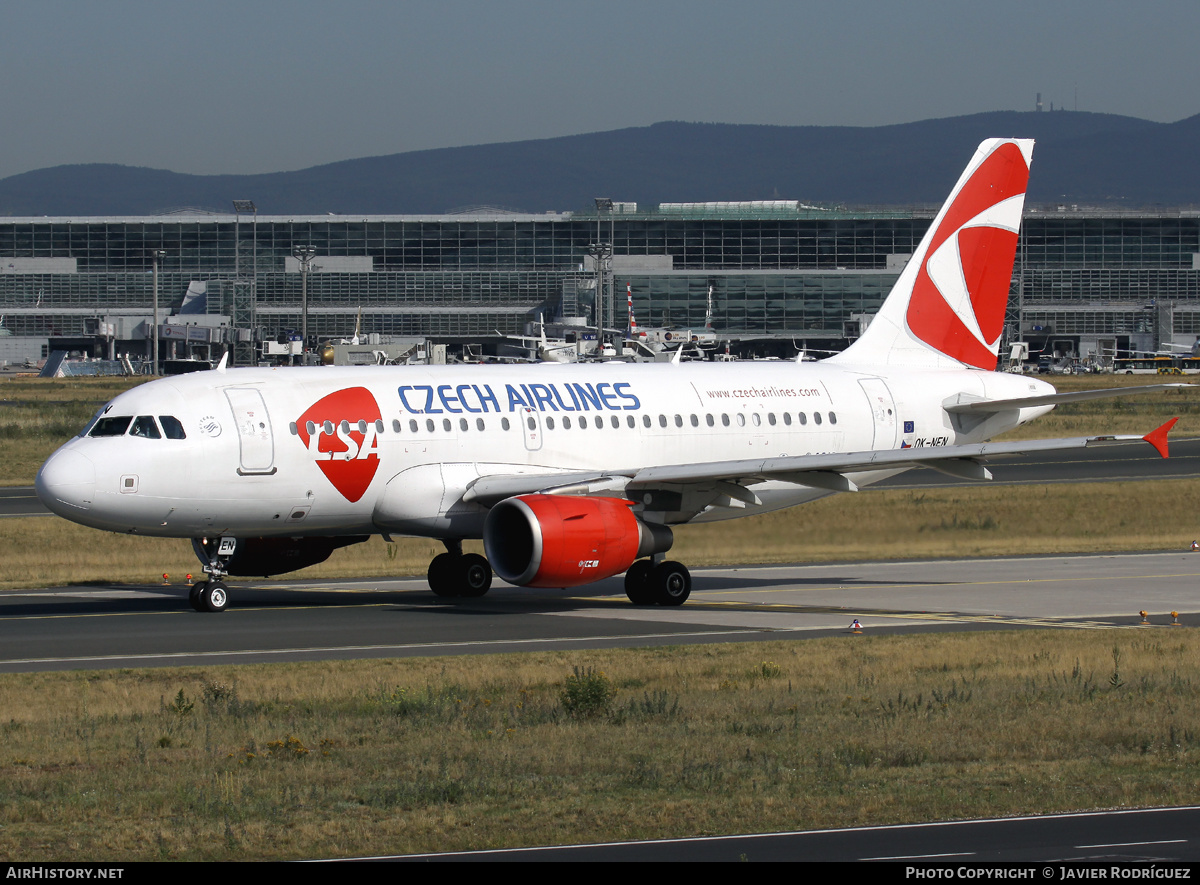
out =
column 248, row 313
column 156, row 255
column 305, row 255
column 602, row 255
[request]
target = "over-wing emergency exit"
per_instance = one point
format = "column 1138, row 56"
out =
column 571, row 473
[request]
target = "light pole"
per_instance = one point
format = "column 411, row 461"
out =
column 156, row 256
column 602, row 254
column 245, row 297
column 305, row 255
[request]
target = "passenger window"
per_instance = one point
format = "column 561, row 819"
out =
column 832, row 418
column 395, row 426
column 724, row 419
column 144, row 426
column 645, row 420
column 479, row 425
column 462, row 424
column 531, row 423
column 111, row 426
column 599, row 422
column 756, row 419
column 787, row 418
column 741, row 419
column 708, row 419
column 446, row 425
column 504, row 423
column 615, row 421
column 429, row 425
column 629, row 420
column 695, row 421
column 803, row 419
column 549, row 422
column 412, row 425
column 171, row 427
column 379, row 425
column 662, row 420
column 566, row 423
column 678, row 420
column 817, row 417
column 771, row 418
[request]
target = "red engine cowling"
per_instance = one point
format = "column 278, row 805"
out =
column 565, row 541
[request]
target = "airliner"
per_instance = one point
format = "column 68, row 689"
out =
column 572, row 473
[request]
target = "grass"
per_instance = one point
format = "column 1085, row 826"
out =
column 358, row 758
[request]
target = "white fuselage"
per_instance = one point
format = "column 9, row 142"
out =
column 348, row 451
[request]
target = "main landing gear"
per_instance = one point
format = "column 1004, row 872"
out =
column 455, row 574
column 212, row 593
column 667, row 583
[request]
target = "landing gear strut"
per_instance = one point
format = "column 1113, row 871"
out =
column 212, row 593
column 455, row 574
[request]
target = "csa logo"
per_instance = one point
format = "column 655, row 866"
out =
column 340, row 433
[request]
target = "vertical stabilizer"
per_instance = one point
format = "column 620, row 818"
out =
column 947, row 308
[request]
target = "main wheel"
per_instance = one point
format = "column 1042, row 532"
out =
column 637, row 583
column 671, row 583
column 214, row 597
column 475, row 575
column 442, row 575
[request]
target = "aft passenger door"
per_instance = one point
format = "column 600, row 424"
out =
column 883, row 412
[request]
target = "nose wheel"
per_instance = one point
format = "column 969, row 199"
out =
column 209, row 596
column 212, row 593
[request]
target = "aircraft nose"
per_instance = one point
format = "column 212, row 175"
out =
column 66, row 483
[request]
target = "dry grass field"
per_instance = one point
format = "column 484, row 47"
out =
column 360, row 758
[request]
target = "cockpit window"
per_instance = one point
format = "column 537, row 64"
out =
column 144, row 426
column 171, row 427
column 115, row 425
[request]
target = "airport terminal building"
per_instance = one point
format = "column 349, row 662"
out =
column 776, row 274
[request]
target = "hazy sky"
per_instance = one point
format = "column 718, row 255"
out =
column 259, row 86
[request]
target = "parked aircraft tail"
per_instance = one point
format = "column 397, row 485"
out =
column 947, row 307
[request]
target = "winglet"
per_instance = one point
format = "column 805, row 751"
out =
column 224, row 362
column 1158, row 438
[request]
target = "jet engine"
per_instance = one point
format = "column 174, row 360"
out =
column 565, row 541
column 263, row 557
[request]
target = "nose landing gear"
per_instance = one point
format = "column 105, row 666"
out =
column 212, row 593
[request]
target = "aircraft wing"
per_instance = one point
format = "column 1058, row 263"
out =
column 830, row 471
column 818, row 471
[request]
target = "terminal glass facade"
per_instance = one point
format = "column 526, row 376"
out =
column 798, row 272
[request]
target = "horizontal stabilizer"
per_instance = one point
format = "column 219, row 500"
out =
column 965, row 404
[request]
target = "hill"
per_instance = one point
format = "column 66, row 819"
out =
column 1080, row 158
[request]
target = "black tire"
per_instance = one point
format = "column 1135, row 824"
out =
column 671, row 583
column 194, row 595
column 442, row 576
column 214, row 597
column 475, row 575
column 637, row 583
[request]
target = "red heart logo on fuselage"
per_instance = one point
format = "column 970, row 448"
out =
column 341, row 433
